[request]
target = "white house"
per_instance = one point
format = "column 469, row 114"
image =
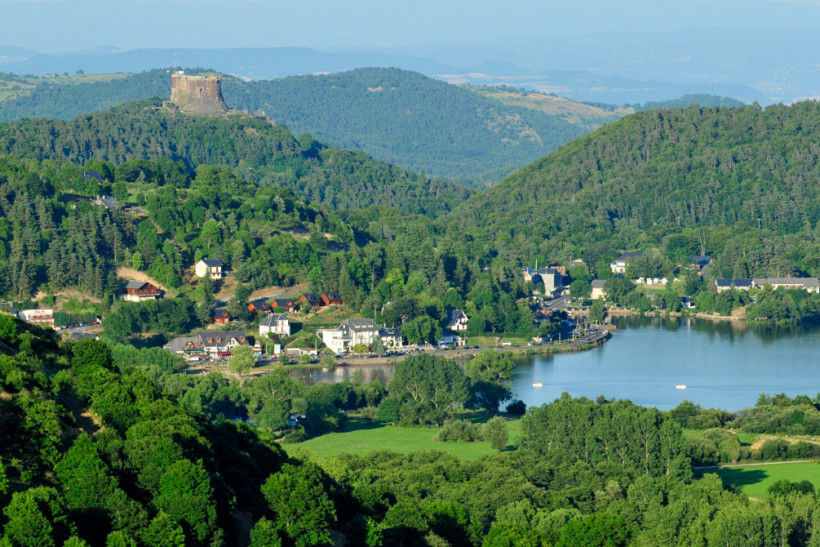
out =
column 810, row 284
column 209, row 267
column 456, row 321
column 449, row 339
column 359, row 331
column 598, row 289
column 620, row 264
column 276, row 323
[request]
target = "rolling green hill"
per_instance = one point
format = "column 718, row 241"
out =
column 651, row 174
column 253, row 148
column 418, row 123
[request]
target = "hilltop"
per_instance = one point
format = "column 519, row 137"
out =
column 257, row 150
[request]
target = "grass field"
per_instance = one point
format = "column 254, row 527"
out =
column 362, row 438
column 754, row 481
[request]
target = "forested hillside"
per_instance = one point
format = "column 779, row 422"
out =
column 398, row 116
column 253, row 148
column 408, row 119
column 740, row 184
column 97, row 451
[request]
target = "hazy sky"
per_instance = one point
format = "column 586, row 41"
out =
column 70, row 25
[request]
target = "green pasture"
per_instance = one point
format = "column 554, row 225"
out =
column 360, row 437
column 754, row 481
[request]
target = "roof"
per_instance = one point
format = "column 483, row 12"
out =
column 332, row 295
column 310, row 297
column 548, row 271
column 529, row 271
column 386, row 332
column 179, row 344
column 598, row 283
column 223, row 335
column 92, row 175
column 135, row 284
column 737, row 282
column 220, row 313
column 282, row 302
column 107, row 201
column 453, row 316
column 801, row 281
column 701, row 259
column 629, row 255
column 259, row 303
column 272, row 320
column 211, row 262
column 361, row 324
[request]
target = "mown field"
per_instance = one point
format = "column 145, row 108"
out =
column 755, row 480
column 359, row 437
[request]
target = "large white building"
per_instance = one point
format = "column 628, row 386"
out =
column 359, row 331
column 276, row 323
column 810, row 284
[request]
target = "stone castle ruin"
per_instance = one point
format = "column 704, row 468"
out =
column 197, row 94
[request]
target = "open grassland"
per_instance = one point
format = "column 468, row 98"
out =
column 361, row 438
column 755, row 480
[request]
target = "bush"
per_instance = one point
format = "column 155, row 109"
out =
column 389, row 410
column 459, row 430
column 495, row 431
column 517, row 408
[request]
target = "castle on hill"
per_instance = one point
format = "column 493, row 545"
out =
column 197, row 94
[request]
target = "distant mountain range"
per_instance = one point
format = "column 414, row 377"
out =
column 272, row 63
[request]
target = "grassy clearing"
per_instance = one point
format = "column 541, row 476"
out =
column 361, row 438
column 754, row 481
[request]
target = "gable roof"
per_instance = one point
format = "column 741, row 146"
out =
column 282, row 303
column 211, row 262
column 361, row 324
column 793, row 281
column 629, row 255
column 598, row 283
column 332, row 295
column 701, row 260
column 273, row 320
column 737, row 282
column 136, row 284
column 453, row 316
column 310, row 297
column 388, row 332
column 219, row 314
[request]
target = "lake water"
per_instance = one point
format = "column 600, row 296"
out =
column 723, row 364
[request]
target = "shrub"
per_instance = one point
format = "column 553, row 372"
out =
column 495, row 431
column 459, row 430
column 517, row 408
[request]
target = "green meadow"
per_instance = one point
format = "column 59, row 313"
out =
column 359, row 437
column 755, row 480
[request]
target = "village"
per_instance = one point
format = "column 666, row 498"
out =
column 275, row 328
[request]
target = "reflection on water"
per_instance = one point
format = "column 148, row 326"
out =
column 724, row 364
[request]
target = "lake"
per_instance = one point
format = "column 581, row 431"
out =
column 723, row 364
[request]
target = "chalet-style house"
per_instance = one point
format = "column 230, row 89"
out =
column 331, row 299
column 42, row 317
column 736, row 283
column 598, row 289
column 139, row 291
column 620, row 264
column 312, row 299
column 259, row 306
column 209, row 267
column 810, row 284
column 285, row 304
column 353, row 332
column 213, row 344
column 456, row 321
column 220, row 316
column 276, row 323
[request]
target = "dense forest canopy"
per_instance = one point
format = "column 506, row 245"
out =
column 255, row 149
column 736, row 183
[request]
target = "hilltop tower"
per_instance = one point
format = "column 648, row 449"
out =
column 197, row 94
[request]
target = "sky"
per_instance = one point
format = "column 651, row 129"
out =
column 73, row 25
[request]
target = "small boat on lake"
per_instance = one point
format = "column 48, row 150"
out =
column 680, row 386
column 537, row 384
